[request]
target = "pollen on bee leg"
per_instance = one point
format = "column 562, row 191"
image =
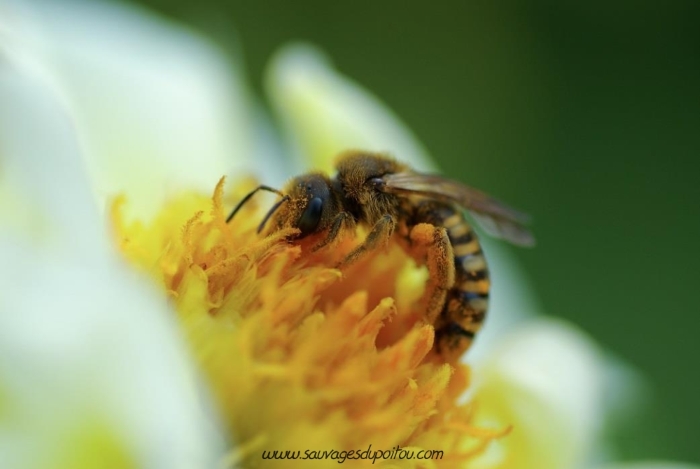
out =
column 422, row 234
column 439, row 260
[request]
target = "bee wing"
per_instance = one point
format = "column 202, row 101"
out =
column 495, row 217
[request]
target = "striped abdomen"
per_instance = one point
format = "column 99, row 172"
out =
column 467, row 300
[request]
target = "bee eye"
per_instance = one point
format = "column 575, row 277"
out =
column 311, row 217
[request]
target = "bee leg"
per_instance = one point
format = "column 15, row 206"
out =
column 381, row 233
column 338, row 221
column 440, row 263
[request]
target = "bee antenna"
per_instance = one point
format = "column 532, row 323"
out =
column 271, row 211
column 247, row 198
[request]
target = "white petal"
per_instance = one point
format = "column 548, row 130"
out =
column 545, row 379
column 270, row 156
column 157, row 107
column 511, row 301
column 325, row 113
column 83, row 342
column 44, row 187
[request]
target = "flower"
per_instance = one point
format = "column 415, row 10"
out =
column 78, row 322
column 300, row 356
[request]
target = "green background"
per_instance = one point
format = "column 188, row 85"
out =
column 586, row 116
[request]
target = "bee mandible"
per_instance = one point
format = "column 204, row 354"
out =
column 392, row 199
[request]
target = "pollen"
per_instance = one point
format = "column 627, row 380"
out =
column 300, row 356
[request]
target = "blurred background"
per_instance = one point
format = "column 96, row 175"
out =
column 585, row 115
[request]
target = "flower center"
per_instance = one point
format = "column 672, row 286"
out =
column 300, row 356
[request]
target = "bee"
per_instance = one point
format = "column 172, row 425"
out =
column 393, row 200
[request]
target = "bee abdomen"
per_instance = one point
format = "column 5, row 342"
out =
column 467, row 301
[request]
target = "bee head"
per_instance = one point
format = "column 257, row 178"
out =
column 309, row 205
